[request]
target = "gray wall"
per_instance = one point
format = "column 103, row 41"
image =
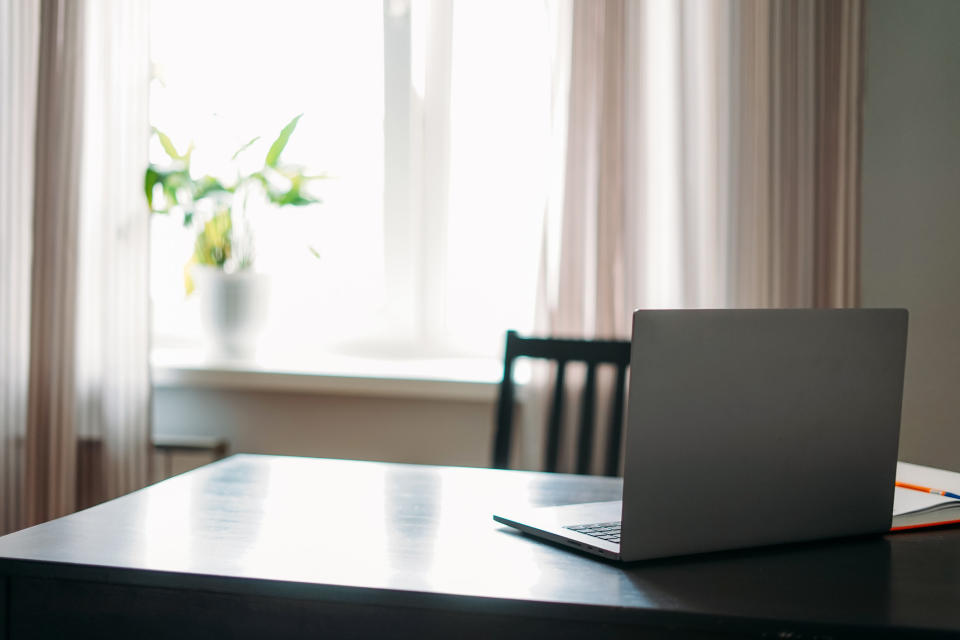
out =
column 911, row 208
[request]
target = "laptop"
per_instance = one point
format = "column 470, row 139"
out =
column 747, row 428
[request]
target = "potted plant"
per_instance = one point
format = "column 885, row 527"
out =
column 233, row 296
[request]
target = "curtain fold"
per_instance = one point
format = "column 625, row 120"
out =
column 642, row 218
column 712, row 151
column 113, row 384
column 74, row 365
column 51, row 405
column 592, row 221
column 19, row 36
column 797, row 153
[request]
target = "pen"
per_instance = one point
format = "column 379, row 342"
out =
column 939, row 492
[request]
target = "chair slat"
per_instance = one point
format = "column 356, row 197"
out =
column 556, row 416
column 501, row 446
column 587, row 406
column 504, row 433
column 614, row 434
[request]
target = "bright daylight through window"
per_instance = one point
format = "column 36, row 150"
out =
column 430, row 122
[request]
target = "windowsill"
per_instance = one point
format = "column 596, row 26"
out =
column 430, row 378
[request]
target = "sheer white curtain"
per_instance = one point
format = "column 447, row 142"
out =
column 74, row 366
column 711, row 151
column 642, row 220
column 113, row 375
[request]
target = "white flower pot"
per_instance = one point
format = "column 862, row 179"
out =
column 233, row 310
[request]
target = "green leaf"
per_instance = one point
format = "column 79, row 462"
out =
column 292, row 195
column 258, row 176
column 188, row 284
column 213, row 244
column 170, row 193
column 273, row 155
column 208, row 185
column 167, row 145
column 172, row 182
column 244, row 148
column 150, row 180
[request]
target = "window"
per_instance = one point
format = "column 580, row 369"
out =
column 432, row 119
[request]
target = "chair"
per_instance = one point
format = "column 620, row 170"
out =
column 563, row 351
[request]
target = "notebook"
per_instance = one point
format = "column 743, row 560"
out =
column 912, row 509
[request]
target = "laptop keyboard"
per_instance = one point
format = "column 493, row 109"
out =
column 609, row 531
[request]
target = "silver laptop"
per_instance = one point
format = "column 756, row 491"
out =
column 748, row 428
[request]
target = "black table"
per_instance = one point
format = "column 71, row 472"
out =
column 263, row 546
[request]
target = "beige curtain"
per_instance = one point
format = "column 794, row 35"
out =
column 19, row 32
column 75, row 387
column 797, row 153
column 711, row 161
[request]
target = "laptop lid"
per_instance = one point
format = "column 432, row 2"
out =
column 753, row 427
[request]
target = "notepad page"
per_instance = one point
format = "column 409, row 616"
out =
column 908, row 500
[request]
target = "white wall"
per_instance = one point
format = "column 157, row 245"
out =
column 911, row 208
column 438, row 431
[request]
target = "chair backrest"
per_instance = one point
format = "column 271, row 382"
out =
column 563, row 351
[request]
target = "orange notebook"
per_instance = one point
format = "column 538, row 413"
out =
column 912, row 509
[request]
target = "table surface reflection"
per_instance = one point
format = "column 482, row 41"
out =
column 422, row 535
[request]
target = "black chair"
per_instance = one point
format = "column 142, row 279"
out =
column 562, row 351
